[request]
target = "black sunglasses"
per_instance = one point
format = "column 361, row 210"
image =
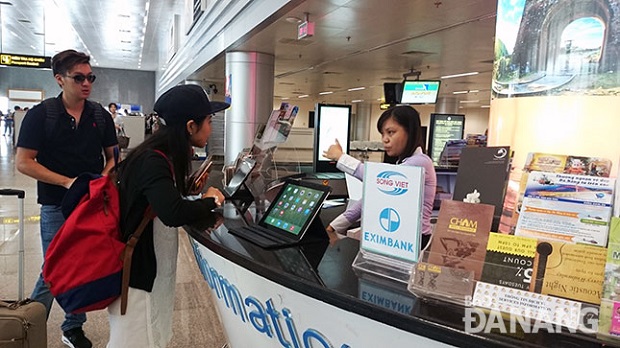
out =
column 79, row 78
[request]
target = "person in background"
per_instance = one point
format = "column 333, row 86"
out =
column 401, row 135
column 117, row 117
column 154, row 175
column 9, row 120
column 77, row 144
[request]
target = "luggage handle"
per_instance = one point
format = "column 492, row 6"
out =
column 21, row 194
column 10, row 192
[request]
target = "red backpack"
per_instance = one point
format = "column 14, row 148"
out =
column 87, row 264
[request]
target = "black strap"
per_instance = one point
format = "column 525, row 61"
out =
column 52, row 114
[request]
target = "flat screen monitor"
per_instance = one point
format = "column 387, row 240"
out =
column 331, row 122
column 420, row 92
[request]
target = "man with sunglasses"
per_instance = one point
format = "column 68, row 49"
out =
column 59, row 139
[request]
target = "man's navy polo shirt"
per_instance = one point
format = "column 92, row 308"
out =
column 69, row 150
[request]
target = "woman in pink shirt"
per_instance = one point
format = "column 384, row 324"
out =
column 401, row 135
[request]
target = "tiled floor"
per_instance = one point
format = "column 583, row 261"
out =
column 196, row 322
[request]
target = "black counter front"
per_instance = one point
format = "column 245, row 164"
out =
column 310, row 296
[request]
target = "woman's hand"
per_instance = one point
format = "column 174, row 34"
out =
column 214, row 193
column 334, row 152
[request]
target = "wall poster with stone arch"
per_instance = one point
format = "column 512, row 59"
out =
column 557, row 47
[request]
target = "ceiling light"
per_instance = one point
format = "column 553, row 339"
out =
column 293, row 19
column 460, row 75
column 357, row 101
column 303, row 96
column 325, row 93
column 474, row 91
column 286, row 98
column 460, row 92
column 469, row 101
column 485, row 106
column 356, row 89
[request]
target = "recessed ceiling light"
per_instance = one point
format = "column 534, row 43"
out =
column 469, row 101
column 485, row 106
column 303, row 96
column 286, row 98
column 460, row 75
column 357, row 101
column 326, row 92
column 460, row 92
column 293, row 19
column 356, row 89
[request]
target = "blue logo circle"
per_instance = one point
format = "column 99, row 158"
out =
column 389, row 220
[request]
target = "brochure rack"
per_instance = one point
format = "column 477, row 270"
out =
column 382, row 266
column 512, row 299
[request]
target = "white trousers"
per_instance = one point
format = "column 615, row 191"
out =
column 148, row 321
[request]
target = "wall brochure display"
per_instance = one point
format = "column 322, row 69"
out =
column 444, row 127
column 331, row 122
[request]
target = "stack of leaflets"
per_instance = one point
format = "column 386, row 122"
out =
column 609, row 315
column 567, row 164
column 278, row 127
column 566, row 207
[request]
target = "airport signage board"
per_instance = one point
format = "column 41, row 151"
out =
column 25, row 61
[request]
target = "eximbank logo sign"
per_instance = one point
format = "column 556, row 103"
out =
column 263, row 316
column 389, row 220
column 392, row 183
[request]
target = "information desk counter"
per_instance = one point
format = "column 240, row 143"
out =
column 309, row 296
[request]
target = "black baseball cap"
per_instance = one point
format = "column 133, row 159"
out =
column 182, row 103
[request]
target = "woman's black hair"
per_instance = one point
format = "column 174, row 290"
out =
column 174, row 141
column 111, row 105
column 409, row 119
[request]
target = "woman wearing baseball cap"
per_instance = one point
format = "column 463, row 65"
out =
column 154, row 175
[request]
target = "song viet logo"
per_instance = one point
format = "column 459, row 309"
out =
column 392, row 183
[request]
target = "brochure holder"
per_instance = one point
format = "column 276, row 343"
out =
column 382, row 266
column 459, row 286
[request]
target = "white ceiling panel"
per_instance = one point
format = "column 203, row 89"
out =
column 356, row 42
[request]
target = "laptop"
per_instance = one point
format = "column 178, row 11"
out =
column 289, row 216
column 244, row 168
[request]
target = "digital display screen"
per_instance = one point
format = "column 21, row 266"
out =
column 293, row 208
column 334, row 125
column 420, row 92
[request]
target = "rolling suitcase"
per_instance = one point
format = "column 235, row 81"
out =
column 22, row 322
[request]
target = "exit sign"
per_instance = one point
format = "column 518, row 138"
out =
column 305, row 29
